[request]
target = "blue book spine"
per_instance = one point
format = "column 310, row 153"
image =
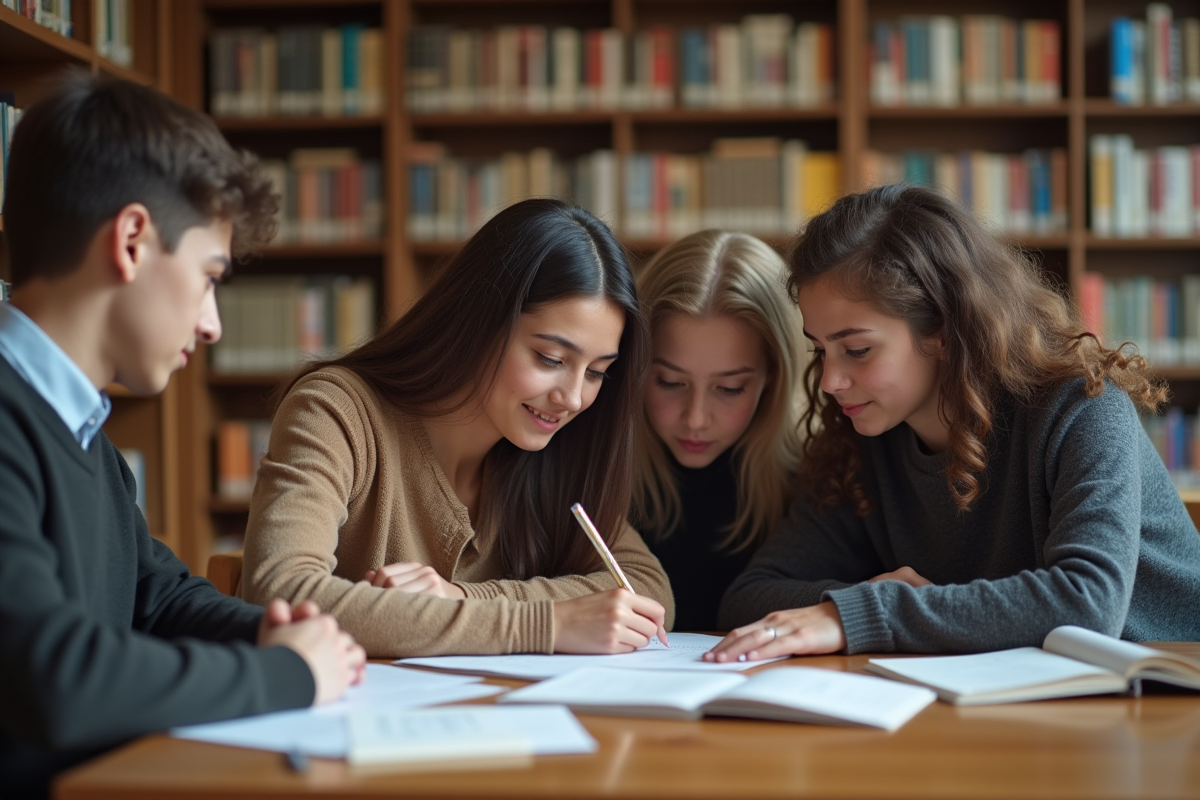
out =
column 1039, row 185
column 1121, row 60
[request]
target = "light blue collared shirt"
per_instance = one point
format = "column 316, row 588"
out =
column 52, row 373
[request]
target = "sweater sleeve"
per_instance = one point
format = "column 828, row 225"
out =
column 1086, row 566
column 321, row 460
column 810, row 553
column 76, row 680
column 630, row 551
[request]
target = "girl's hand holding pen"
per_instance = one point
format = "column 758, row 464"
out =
column 616, row 621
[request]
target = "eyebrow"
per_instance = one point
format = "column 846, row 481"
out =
column 574, row 348
column 727, row 374
column 842, row 334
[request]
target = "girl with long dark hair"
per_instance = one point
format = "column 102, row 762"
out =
column 419, row 487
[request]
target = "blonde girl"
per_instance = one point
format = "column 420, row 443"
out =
column 719, row 443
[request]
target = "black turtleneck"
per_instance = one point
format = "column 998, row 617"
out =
column 699, row 569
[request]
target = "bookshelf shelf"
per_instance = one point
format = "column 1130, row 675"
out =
column 687, row 116
column 222, row 505
column 351, row 249
column 1107, row 108
column 1157, row 243
column 270, row 124
column 1184, row 373
column 24, row 41
column 475, row 119
column 1016, row 112
column 128, row 73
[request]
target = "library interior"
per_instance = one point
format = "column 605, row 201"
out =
column 394, row 129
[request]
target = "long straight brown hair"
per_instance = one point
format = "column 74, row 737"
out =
column 445, row 354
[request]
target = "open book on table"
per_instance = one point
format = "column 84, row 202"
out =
column 1073, row 661
column 788, row 694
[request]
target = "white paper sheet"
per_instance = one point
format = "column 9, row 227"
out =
column 546, row 730
column 321, row 731
column 684, row 653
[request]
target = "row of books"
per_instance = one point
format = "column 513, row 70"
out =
column 296, row 70
column 1162, row 317
column 52, row 14
column 1156, row 60
column 765, row 61
column 1137, row 193
column 272, row 324
column 764, row 186
column 112, row 22
column 978, row 60
column 240, row 445
column 450, row 197
column 760, row 186
column 1019, row 193
column 329, row 195
column 1176, row 437
column 9, row 114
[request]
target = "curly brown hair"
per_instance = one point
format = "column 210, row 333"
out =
column 915, row 255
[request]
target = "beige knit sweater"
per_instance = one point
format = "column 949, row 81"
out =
column 351, row 484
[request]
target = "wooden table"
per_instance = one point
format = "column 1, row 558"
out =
column 1101, row 747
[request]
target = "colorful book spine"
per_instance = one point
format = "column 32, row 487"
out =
column 765, row 60
column 272, row 325
column 976, row 59
column 9, row 115
column 1154, row 60
column 1139, row 193
column 296, row 71
column 1017, row 193
column 329, row 195
column 450, row 197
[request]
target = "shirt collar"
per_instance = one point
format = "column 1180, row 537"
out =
column 52, row 374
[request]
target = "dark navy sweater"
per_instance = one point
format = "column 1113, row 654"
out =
column 104, row 636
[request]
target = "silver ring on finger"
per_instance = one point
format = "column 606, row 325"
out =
column 774, row 634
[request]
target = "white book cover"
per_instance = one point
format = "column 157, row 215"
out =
column 1073, row 661
column 790, row 694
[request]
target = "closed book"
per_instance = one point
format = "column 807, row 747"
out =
column 1073, row 661
column 787, row 694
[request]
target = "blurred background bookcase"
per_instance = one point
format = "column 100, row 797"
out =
column 30, row 54
column 179, row 432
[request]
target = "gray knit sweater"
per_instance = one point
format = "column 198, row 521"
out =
column 1078, row 524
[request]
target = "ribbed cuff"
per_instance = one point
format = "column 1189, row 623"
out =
column 534, row 627
column 863, row 619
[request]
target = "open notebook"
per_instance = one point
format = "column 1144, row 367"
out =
column 1073, row 661
column 788, row 694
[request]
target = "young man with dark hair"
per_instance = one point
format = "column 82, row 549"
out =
column 122, row 211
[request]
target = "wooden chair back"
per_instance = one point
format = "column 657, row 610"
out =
column 225, row 572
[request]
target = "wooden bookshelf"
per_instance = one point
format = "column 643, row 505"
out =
column 851, row 125
column 30, row 56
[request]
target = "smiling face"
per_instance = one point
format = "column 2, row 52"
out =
column 553, row 368
column 168, row 306
column 707, row 376
column 872, row 366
